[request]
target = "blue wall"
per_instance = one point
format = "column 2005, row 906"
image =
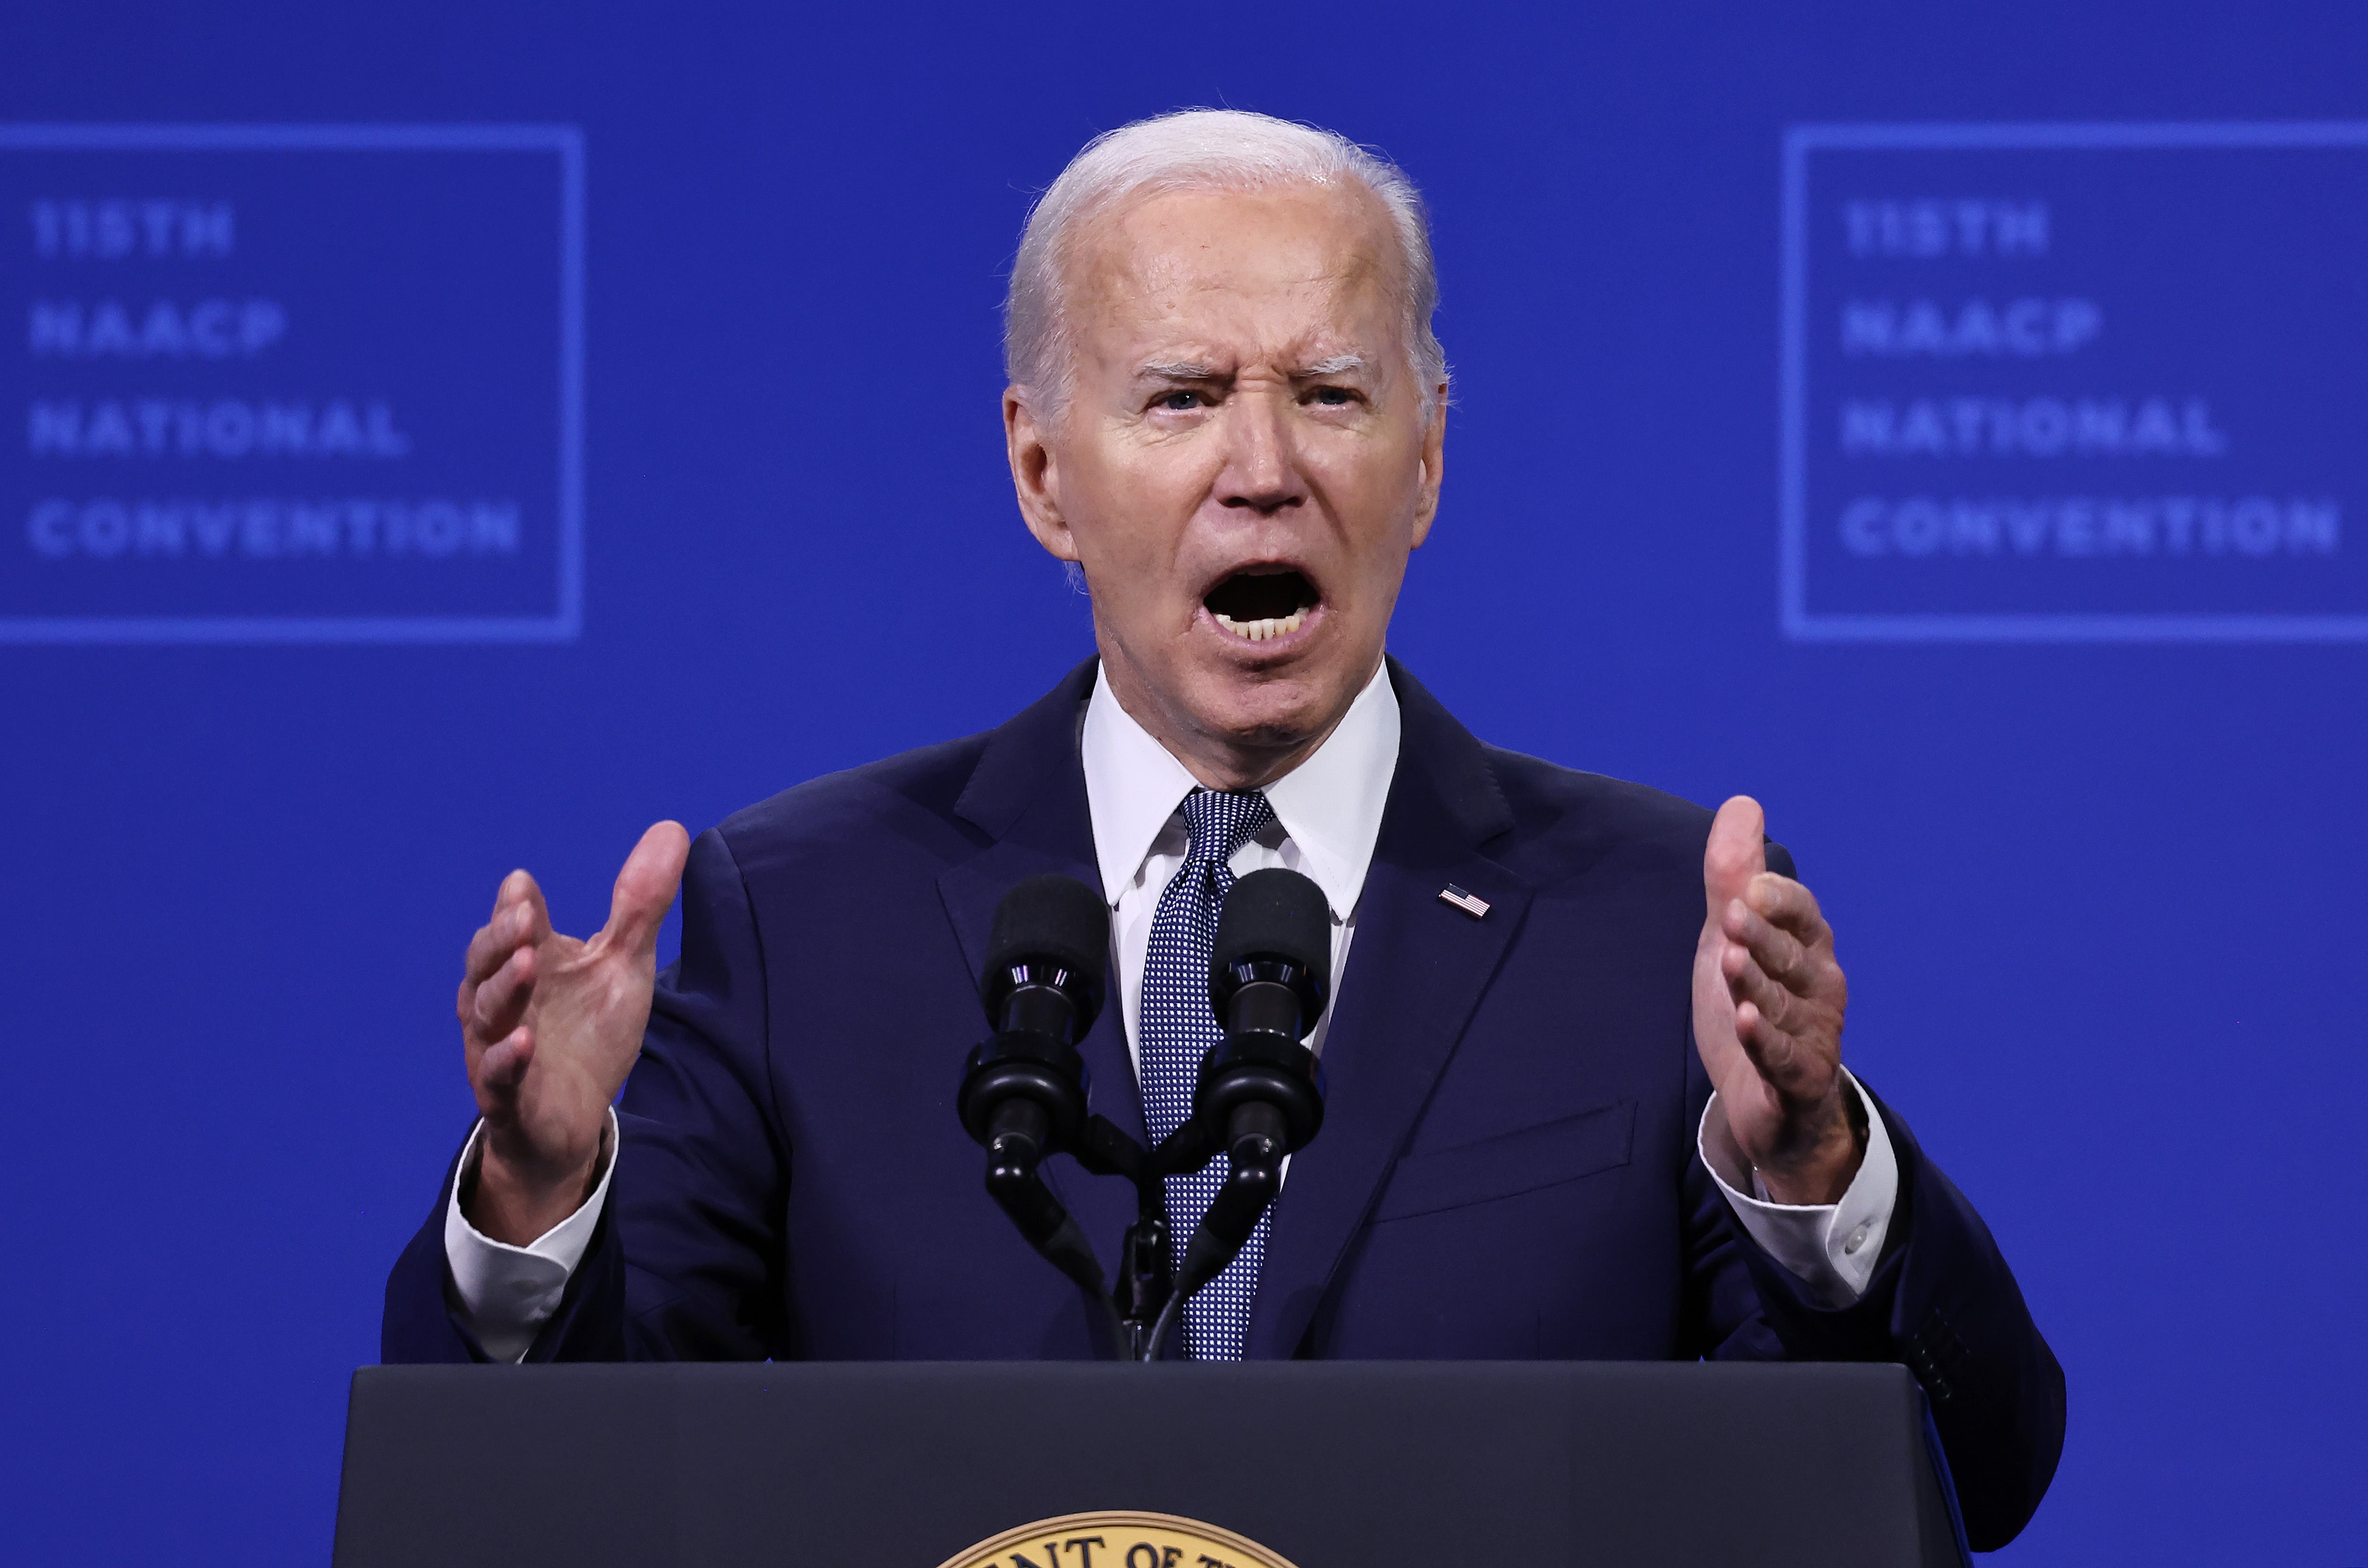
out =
column 2098, row 900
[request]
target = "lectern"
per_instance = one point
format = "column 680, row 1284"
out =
column 1313, row 1464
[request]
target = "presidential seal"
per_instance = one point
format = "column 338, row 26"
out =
column 1117, row 1539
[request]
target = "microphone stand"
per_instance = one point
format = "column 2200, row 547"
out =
column 1145, row 1297
column 1142, row 1306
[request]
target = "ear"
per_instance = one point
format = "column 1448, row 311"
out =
column 1035, row 475
column 1434, row 466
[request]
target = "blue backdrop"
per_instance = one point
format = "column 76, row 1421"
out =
column 487, row 591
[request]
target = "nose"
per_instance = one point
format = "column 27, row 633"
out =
column 1261, row 471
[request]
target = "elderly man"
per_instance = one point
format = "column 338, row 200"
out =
column 1586, row 1095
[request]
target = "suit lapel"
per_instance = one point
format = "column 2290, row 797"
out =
column 1415, row 974
column 1028, row 793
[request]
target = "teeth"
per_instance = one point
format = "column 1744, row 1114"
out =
column 1263, row 630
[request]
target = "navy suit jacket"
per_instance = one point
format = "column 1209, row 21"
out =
column 1506, row 1167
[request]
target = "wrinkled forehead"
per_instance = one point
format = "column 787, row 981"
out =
column 1296, row 267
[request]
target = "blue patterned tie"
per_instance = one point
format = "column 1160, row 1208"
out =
column 1176, row 1031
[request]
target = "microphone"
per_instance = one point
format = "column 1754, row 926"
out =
column 1023, row 1092
column 1259, row 1096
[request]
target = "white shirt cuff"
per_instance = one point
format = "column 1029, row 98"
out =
column 1830, row 1248
column 507, row 1292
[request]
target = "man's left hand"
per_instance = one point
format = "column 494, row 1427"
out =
column 1767, row 1017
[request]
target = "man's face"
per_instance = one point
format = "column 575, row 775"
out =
column 1243, row 464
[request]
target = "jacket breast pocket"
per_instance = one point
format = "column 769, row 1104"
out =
column 1510, row 1163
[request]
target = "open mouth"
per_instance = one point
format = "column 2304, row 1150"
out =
column 1259, row 604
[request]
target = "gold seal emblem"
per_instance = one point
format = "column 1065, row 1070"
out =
column 1117, row 1539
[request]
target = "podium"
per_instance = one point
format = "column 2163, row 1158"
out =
column 1320, row 1464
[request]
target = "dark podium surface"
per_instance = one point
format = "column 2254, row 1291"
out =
column 1330, row 1464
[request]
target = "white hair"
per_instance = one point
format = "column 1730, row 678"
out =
column 1198, row 148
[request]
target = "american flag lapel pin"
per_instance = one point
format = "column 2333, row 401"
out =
column 1474, row 907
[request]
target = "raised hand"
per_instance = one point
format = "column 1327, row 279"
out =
column 551, row 1026
column 1767, row 1017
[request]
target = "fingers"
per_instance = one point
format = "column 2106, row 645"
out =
column 1794, row 954
column 1748, row 981
column 520, row 887
column 645, row 888
column 1738, row 851
column 1777, row 958
column 1794, row 1064
column 498, row 1006
column 519, row 918
column 501, row 969
column 519, row 922
column 1788, row 998
column 489, row 948
column 1791, row 1066
column 1787, row 904
column 502, row 1069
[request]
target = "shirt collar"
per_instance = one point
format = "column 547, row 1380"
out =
column 1330, row 804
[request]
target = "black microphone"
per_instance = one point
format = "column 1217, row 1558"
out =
column 1260, row 1097
column 1023, row 1092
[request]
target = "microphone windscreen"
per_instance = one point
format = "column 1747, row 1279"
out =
column 1280, row 915
column 1054, row 917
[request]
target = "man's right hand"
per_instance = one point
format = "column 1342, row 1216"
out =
column 551, row 1026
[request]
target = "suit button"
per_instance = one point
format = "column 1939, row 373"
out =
column 1857, row 1240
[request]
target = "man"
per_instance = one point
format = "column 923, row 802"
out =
column 1586, row 1097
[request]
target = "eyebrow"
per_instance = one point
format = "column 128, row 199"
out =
column 1190, row 371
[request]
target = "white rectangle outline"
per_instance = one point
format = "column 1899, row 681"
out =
column 1792, row 571
column 567, row 140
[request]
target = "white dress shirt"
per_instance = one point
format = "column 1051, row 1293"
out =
column 1328, row 814
column 507, row 1292
column 1327, row 817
